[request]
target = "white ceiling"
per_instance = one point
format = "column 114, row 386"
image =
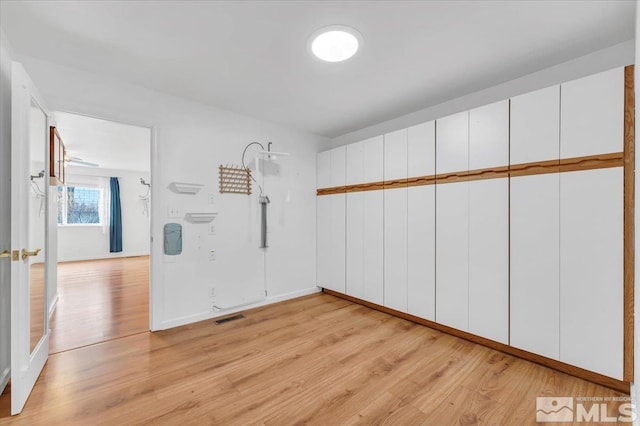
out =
column 251, row 57
column 110, row 145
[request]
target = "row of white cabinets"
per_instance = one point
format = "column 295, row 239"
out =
column 535, row 262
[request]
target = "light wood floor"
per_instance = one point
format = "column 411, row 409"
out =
column 100, row 300
column 318, row 360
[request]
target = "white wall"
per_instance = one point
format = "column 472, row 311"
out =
column 192, row 141
column 618, row 55
column 92, row 242
column 5, row 208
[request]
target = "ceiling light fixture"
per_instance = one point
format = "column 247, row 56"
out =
column 335, row 43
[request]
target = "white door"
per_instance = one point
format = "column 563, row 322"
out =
column 29, row 319
column 591, row 264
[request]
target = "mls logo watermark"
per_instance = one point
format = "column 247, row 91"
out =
column 585, row 409
column 554, row 409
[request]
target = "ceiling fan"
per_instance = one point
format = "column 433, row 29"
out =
column 75, row 161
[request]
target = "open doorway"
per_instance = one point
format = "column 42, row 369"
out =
column 103, row 233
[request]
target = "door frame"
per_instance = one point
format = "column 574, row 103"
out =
column 155, row 249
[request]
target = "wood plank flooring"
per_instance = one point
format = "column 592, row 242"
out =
column 100, row 300
column 316, row 360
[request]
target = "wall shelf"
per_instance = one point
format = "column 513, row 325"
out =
column 201, row 217
column 185, row 188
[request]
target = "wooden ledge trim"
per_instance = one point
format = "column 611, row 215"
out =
column 535, row 168
column 618, row 385
column 589, row 162
column 330, row 191
column 422, row 180
column 371, row 186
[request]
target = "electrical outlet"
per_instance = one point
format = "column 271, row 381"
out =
column 212, row 255
column 212, row 228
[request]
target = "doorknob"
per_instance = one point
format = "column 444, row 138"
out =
column 26, row 253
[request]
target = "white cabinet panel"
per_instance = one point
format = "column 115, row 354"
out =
column 395, row 248
column 489, row 136
column 452, row 254
column 535, row 264
column 421, row 149
column 373, row 245
column 489, row 259
column 373, row 152
column 591, row 270
column 592, row 114
column 354, row 249
column 395, row 155
column 337, row 273
column 452, row 143
column 354, row 163
column 331, row 241
column 338, row 166
column 323, row 240
column 421, row 251
column 535, row 126
column 323, row 169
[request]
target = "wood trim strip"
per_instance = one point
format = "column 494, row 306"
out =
column 422, row 180
column 371, row 186
column 395, row 183
column 629, row 207
column 535, row 168
column 609, row 382
column 590, row 162
column 332, row 190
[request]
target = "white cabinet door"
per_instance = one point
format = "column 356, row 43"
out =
column 354, row 163
column 331, row 241
column 338, row 166
column 452, row 254
column 592, row 114
column 421, row 149
column 373, row 153
column 421, row 251
column 354, row 244
column 452, row 143
column 373, row 246
column 489, row 136
column 489, row 259
column 395, row 155
column 338, row 240
column 535, row 126
column 591, row 270
column 395, row 249
column 323, row 240
column 323, row 169
column 535, row 264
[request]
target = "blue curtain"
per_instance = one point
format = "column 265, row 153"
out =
column 115, row 219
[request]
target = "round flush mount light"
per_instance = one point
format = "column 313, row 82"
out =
column 335, row 43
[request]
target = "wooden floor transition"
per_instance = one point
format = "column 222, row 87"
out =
column 317, row 360
column 100, row 300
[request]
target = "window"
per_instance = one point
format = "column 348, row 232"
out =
column 79, row 205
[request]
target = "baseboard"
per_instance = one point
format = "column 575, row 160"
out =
column 114, row 256
column 203, row 316
column 572, row 370
column 4, row 379
column 53, row 305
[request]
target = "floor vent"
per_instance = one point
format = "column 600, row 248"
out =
column 227, row 319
